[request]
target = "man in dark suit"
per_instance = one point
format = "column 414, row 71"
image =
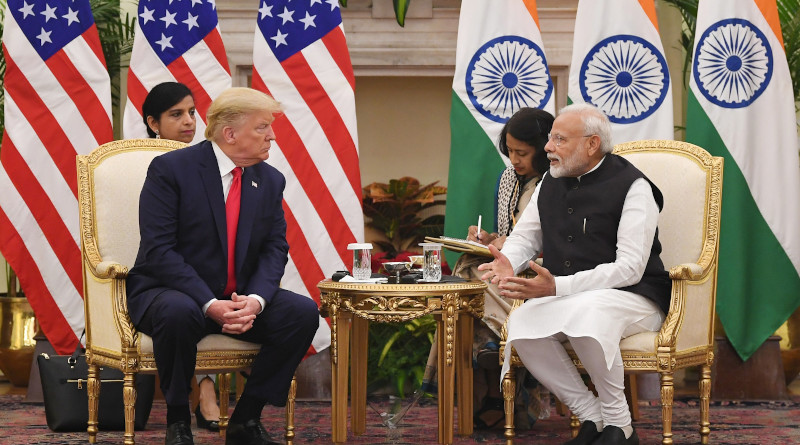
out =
column 212, row 253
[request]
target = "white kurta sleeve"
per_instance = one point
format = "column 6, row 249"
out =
column 525, row 241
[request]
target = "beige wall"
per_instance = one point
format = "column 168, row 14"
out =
column 403, row 128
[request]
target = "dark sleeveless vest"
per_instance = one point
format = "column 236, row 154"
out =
column 580, row 221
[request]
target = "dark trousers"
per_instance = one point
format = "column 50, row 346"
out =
column 285, row 329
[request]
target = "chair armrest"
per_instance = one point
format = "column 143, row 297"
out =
column 687, row 271
column 110, row 269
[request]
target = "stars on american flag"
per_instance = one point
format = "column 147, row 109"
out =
column 50, row 24
column 291, row 25
column 174, row 26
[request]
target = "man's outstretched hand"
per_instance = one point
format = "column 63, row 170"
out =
column 542, row 285
column 498, row 269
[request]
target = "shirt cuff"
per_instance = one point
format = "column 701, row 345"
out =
column 260, row 300
column 205, row 306
column 563, row 285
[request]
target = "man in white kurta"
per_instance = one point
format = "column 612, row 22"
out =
column 595, row 221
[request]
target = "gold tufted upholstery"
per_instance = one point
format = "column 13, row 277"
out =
column 691, row 182
column 110, row 180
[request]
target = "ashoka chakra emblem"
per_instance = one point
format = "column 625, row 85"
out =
column 626, row 77
column 733, row 63
column 506, row 74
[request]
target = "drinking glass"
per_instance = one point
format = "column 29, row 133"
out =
column 362, row 260
column 431, row 262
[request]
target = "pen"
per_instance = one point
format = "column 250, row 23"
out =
column 584, row 226
column 478, row 233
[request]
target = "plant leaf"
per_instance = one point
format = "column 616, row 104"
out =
column 400, row 10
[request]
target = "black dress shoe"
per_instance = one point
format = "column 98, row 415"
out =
column 613, row 435
column 202, row 422
column 179, row 433
column 251, row 432
column 586, row 435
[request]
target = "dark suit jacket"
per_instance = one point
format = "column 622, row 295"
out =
column 184, row 236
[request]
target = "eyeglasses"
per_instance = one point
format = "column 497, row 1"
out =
column 557, row 139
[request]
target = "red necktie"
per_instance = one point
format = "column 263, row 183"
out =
column 232, row 205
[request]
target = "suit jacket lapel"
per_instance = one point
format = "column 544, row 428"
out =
column 247, row 211
column 212, row 182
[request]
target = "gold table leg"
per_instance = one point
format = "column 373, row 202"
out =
column 464, row 373
column 340, row 342
column 446, row 367
column 358, row 379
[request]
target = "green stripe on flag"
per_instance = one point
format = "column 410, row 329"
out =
column 758, row 287
column 475, row 166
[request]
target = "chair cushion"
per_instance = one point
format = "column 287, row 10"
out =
column 641, row 342
column 214, row 342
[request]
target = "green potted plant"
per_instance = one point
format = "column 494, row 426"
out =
column 395, row 210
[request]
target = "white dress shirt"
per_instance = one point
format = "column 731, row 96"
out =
column 226, row 165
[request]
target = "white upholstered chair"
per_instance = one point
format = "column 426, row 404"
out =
column 110, row 180
column 688, row 228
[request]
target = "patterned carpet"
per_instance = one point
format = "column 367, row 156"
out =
column 732, row 423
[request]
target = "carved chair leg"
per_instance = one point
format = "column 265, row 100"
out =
column 561, row 409
column 509, row 390
column 667, row 396
column 574, row 425
column 93, row 388
column 290, row 412
column 224, row 384
column 129, row 401
column 705, row 393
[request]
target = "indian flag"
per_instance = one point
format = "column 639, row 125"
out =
column 500, row 68
column 741, row 107
column 618, row 65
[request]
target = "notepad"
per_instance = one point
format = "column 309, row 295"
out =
column 460, row 245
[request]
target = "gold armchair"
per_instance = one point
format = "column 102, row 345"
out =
column 691, row 182
column 110, row 179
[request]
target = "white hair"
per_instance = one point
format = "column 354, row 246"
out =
column 594, row 122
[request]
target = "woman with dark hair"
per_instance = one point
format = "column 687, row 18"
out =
column 522, row 140
column 168, row 112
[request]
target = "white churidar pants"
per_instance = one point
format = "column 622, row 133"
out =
column 593, row 322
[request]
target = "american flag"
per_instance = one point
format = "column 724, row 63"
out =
column 300, row 58
column 57, row 106
column 176, row 41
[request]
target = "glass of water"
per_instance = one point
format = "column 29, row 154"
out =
column 431, row 262
column 362, row 260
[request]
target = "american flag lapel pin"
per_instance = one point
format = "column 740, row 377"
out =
column 253, row 183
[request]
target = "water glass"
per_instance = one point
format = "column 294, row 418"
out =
column 431, row 262
column 362, row 260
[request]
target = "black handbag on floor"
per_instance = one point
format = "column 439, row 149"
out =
column 66, row 401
